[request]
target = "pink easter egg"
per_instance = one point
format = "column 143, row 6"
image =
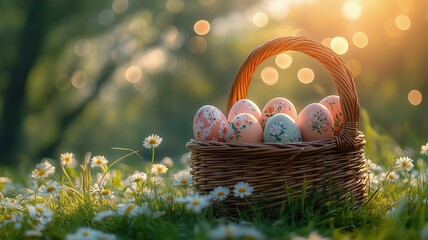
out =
column 277, row 105
column 315, row 122
column 245, row 128
column 244, row 106
column 332, row 103
column 210, row 124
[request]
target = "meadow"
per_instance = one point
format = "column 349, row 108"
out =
column 99, row 198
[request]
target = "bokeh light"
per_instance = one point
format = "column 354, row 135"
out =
column 339, row 45
column 283, row 60
column 269, row 75
column 133, row 74
column 105, row 17
column 415, row 97
column 120, row 6
column 403, row 22
column 79, row 79
column 360, row 39
column 352, row 9
column 197, row 44
column 174, row 6
column 260, row 19
column 202, row 27
column 207, row 2
column 82, row 47
column 305, row 75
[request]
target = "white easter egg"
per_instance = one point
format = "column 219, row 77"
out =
column 281, row 128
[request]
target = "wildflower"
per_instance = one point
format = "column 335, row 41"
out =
column 197, row 202
column 152, row 141
column 390, row 212
column 10, row 204
column 183, row 180
column 68, row 160
column 40, row 213
column 404, row 163
column 243, row 189
column 129, row 209
column 235, row 231
column 51, row 188
column 168, row 197
column 99, row 161
column 314, row 235
column 12, row 218
column 159, row 169
column 104, row 214
column 219, row 193
column 167, row 161
column 424, row 149
column 389, row 177
column 43, row 170
column 136, row 178
column 33, row 233
column 88, row 233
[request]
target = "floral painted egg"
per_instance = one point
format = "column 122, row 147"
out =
column 244, row 128
column 244, row 106
column 278, row 105
column 210, row 124
column 281, row 128
column 332, row 103
column 315, row 122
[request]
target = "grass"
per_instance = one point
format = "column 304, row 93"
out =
column 159, row 203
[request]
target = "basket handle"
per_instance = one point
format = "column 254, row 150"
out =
column 341, row 75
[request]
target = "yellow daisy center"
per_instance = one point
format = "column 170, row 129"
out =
column 8, row 217
column 220, row 194
column 152, row 141
column 183, row 181
column 404, row 164
column 105, row 192
column 41, row 172
column 160, row 169
column 129, row 209
column 99, row 161
column 85, row 234
column 50, row 189
column 196, row 202
column 40, row 210
column 242, row 190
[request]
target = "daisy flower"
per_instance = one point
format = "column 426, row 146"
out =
column 129, row 209
column 104, row 214
column 183, row 180
column 159, row 169
column 68, row 160
column 242, row 189
column 197, row 202
column 152, row 141
column 98, row 161
column 223, row 231
column 314, row 235
column 390, row 177
column 43, row 170
column 219, row 193
column 13, row 218
column 136, row 178
column 40, row 213
column 33, row 234
column 424, row 149
column 404, row 163
column 51, row 188
column 88, row 233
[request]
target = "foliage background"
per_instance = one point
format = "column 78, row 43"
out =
column 84, row 76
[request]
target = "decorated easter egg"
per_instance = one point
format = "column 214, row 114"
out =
column 332, row 103
column 210, row 124
column 244, row 128
column 315, row 122
column 277, row 105
column 244, row 106
column 281, row 128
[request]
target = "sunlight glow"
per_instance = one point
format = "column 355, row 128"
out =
column 339, row 45
column 269, row 75
column 260, row 19
column 305, row 75
column 360, row 39
column 283, row 60
column 207, row 2
column 79, row 79
column 352, row 9
column 174, row 6
column 355, row 66
column 197, row 45
column 326, row 42
column 202, row 27
column 133, row 74
column 120, row 6
column 82, row 47
column 403, row 22
column 414, row 97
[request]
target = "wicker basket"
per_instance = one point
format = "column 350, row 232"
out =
column 279, row 171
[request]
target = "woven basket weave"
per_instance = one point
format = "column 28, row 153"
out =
column 336, row 165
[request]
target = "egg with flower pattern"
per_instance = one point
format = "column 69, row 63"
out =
column 281, row 128
column 315, row 122
column 245, row 128
column 332, row 103
column 244, row 106
column 210, row 124
column 277, row 105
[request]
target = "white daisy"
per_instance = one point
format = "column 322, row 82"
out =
column 52, row 188
column 104, row 214
column 424, row 149
column 197, row 202
column 389, row 177
column 314, row 235
column 229, row 231
column 136, row 178
column 40, row 213
column 152, row 141
column 243, row 189
column 129, row 209
column 98, row 161
column 159, row 169
column 183, row 180
column 219, row 193
column 88, row 233
column 12, row 218
column 68, row 160
column 33, row 234
column 404, row 163
column 43, row 170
